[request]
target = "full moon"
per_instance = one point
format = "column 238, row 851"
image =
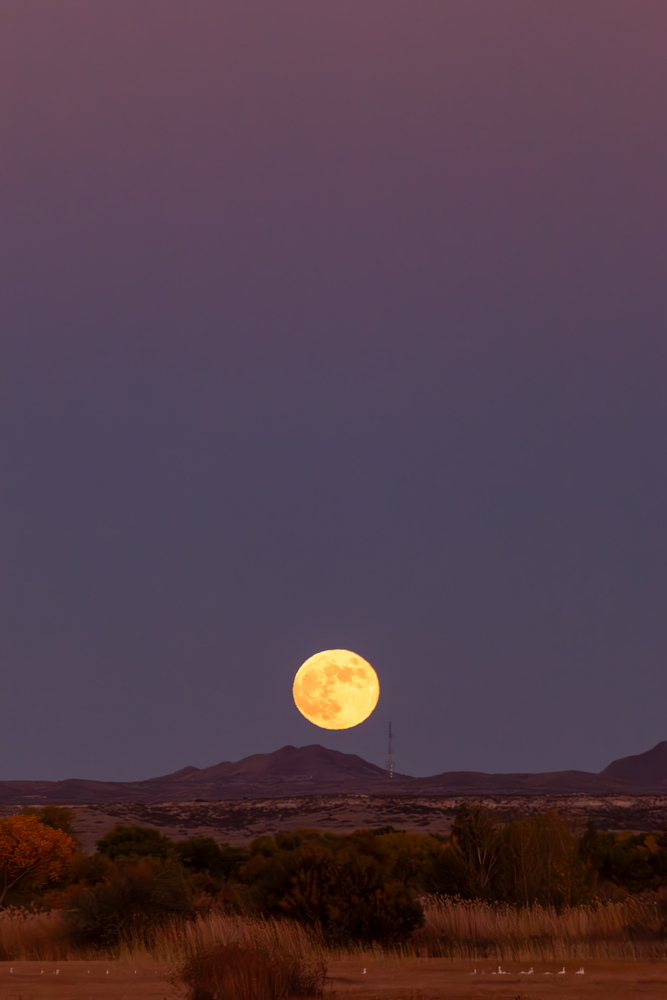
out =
column 336, row 689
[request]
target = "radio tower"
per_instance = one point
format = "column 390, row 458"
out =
column 390, row 756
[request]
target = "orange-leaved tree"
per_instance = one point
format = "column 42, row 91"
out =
column 32, row 851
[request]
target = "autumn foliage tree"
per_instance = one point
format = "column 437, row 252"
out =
column 31, row 851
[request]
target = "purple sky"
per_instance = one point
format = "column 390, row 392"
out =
column 332, row 324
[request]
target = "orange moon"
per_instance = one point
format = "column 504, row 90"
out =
column 336, row 689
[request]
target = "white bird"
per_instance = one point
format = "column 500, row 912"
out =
column 529, row 973
column 474, row 973
column 562, row 972
column 12, row 969
column 580, row 972
column 364, row 972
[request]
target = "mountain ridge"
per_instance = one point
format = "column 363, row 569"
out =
column 313, row 770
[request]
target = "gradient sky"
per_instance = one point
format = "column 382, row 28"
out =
column 334, row 324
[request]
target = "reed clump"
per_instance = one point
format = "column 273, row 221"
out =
column 239, row 958
column 245, row 972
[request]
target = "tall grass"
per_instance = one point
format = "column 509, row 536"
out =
column 633, row 928
column 224, row 929
column 241, row 958
column 230, row 957
column 29, row 936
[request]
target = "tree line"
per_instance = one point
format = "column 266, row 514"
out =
column 360, row 887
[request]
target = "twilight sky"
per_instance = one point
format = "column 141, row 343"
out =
column 334, row 324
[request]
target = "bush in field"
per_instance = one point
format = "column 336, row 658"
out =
column 135, row 842
column 211, row 869
column 243, row 971
column 353, row 887
column 346, row 894
column 637, row 863
column 444, row 872
column 137, row 899
column 202, row 855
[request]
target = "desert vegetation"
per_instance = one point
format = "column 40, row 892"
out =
column 267, row 920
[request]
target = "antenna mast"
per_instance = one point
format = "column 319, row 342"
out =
column 390, row 755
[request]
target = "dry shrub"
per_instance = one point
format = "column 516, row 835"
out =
column 633, row 928
column 243, row 972
column 224, row 928
column 242, row 958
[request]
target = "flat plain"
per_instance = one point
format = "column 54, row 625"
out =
column 385, row 978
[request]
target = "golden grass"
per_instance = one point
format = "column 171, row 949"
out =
column 214, row 929
column 28, row 936
column 454, row 928
column 631, row 929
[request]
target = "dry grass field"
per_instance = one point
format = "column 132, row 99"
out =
column 621, row 947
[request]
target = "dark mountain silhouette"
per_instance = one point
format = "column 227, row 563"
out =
column 314, row 770
column 305, row 764
column 649, row 768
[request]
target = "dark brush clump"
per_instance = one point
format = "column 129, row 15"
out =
column 238, row 971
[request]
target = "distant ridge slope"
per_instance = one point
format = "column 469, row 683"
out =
column 642, row 769
column 315, row 770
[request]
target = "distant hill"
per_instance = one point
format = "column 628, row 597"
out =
column 649, row 768
column 314, row 770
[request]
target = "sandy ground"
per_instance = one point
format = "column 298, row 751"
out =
column 384, row 979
